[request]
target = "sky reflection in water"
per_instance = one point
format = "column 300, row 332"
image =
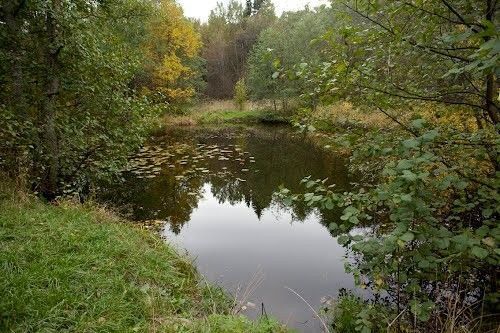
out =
column 215, row 187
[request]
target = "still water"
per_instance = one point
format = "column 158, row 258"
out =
column 214, row 189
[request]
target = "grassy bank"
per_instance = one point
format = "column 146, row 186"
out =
column 336, row 119
column 226, row 112
column 73, row 268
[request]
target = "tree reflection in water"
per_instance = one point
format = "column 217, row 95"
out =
column 167, row 178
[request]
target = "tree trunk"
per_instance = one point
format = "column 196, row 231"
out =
column 13, row 23
column 491, row 90
column 49, row 186
column 16, row 101
column 491, row 80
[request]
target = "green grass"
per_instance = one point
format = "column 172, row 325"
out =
column 240, row 116
column 219, row 112
column 223, row 116
column 73, row 268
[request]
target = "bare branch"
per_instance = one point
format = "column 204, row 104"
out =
column 460, row 17
column 432, row 49
column 406, row 128
column 444, row 17
column 422, row 98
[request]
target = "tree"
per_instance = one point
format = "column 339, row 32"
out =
column 248, row 8
column 171, row 48
column 434, row 207
column 257, row 5
column 284, row 45
column 69, row 109
column 228, row 38
column 240, row 94
column 446, row 44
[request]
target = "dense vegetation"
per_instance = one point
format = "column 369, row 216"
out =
column 83, row 82
column 228, row 37
column 290, row 41
column 80, row 82
column 430, row 194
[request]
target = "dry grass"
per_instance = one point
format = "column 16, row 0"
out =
column 227, row 105
column 344, row 115
column 242, row 296
column 181, row 121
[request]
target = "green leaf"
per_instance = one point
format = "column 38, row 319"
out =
column 366, row 330
column 329, row 204
column 479, row 252
column 482, row 231
column 423, row 264
column 443, row 243
column 418, row 123
column 406, row 197
column 408, row 236
column 353, row 220
column 411, row 143
column 333, row 226
column 487, row 213
column 310, row 184
column 343, row 239
column 430, row 136
column 410, row 176
column 405, row 164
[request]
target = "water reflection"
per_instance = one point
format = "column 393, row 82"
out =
column 215, row 189
column 234, row 249
column 241, row 165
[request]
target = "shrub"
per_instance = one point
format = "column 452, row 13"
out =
column 240, row 94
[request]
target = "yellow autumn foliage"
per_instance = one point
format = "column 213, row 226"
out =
column 345, row 113
column 172, row 43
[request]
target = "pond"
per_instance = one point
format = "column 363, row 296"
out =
column 213, row 188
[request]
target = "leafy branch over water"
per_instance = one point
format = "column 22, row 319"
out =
column 428, row 188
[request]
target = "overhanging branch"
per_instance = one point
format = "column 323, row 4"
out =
column 429, row 48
